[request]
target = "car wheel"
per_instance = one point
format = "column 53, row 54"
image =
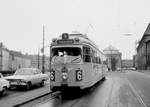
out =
column 103, row 79
column 42, row 83
column 3, row 92
column 28, row 86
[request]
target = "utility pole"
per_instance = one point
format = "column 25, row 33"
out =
column 1, row 56
column 43, row 58
column 38, row 59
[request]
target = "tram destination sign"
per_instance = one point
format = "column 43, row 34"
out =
column 65, row 41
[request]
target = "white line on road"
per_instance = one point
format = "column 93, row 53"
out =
column 136, row 93
column 143, row 74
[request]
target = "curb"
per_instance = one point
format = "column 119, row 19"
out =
column 31, row 99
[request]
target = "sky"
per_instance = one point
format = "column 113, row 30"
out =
column 106, row 22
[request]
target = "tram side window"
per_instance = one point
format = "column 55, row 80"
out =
column 86, row 54
column 100, row 61
column 93, row 56
column 97, row 61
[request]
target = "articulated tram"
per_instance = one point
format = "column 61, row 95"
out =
column 75, row 61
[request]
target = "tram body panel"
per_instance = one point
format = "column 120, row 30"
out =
column 69, row 66
column 71, row 76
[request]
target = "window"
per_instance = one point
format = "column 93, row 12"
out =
column 97, row 60
column 100, row 61
column 66, row 55
column 93, row 56
column 86, row 54
column 70, row 51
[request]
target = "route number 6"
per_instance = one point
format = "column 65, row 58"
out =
column 79, row 75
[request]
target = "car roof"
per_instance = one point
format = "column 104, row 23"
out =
column 30, row 68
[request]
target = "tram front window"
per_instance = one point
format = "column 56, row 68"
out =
column 66, row 54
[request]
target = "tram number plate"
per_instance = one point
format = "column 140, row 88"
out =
column 65, row 41
column 64, row 84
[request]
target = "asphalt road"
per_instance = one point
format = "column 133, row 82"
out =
column 118, row 90
column 141, row 83
column 16, row 96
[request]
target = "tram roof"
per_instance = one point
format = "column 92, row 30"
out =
column 83, row 39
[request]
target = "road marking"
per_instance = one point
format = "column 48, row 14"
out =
column 136, row 93
column 143, row 74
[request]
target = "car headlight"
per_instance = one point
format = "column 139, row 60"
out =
column 23, row 81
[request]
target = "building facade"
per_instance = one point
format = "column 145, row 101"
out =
column 113, row 58
column 127, row 63
column 36, row 61
column 143, row 51
column 4, row 58
column 11, row 60
column 18, row 60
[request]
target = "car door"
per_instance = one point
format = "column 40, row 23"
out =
column 33, row 77
column 37, row 76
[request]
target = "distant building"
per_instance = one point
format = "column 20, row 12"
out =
column 126, row 63
column 36, row 61
column 113, row 57
column 11, row 60
column 18, row 60
column 143, row 51
column 4, row 58
column 135, row 62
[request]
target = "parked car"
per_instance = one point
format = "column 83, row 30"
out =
column 26, row 77
column 118, row 69
column 4, row 84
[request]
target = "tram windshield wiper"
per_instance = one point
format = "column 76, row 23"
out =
column 76, row 59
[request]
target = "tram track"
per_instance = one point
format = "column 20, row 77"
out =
column 139, row 98
column 37, row 100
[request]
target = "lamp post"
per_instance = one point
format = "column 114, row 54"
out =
column 38, row 58
column 43, row 57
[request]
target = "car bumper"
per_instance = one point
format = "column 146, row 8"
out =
column 17, row 84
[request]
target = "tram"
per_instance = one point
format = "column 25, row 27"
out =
column 75, row 62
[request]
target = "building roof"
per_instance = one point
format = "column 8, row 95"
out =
column 18, row 54
column 110, row 48
column 147, row 31
column 15, row 53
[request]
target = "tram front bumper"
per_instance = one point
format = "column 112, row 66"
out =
column 65, row 84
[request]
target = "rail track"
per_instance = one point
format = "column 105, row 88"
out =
column 139, row 98
column 39, row 99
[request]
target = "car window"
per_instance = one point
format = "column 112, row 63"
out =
column 39, row 71
column 24, row 72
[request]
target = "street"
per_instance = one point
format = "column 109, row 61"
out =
column 120, row 89
column 142, row 85
column 19, row 95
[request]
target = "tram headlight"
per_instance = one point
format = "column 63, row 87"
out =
column 52, row 75
column 65, row 36
column 64, row 76
column 78, row 75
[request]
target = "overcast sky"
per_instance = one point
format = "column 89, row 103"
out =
column 105, row 21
